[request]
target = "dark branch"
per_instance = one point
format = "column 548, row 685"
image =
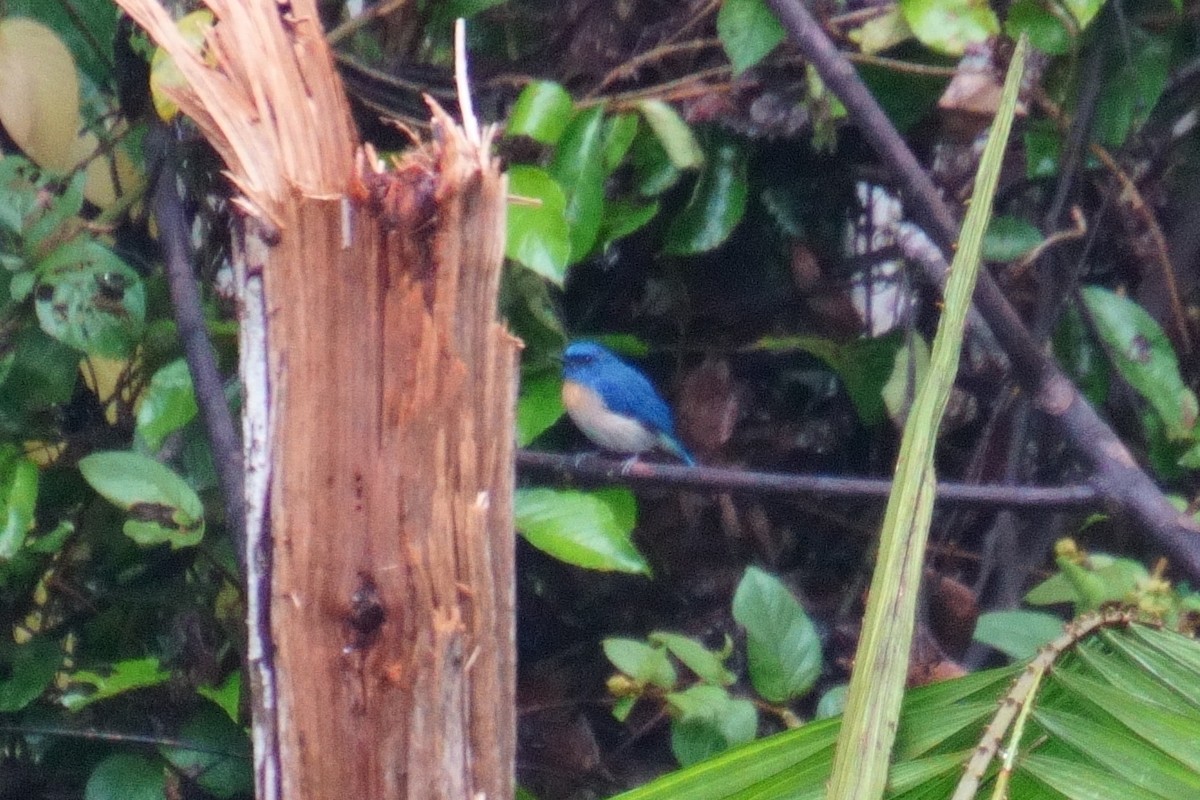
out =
column 1123, row 485
column 593, row 469
column 197, row 349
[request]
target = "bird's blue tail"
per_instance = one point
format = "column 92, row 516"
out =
column 676, row 448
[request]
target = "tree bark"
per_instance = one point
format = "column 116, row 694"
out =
column 380, row 393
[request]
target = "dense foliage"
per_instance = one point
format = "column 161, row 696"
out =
column 687, row 190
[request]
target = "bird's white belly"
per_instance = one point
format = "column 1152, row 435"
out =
column 610, row 431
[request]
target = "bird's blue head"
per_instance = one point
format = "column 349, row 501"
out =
column 582, row 359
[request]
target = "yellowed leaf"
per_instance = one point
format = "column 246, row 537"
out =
column 39, row 93
column 165, row 74
column 99, row 187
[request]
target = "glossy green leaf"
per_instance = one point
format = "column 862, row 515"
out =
column 622, row 218
column 864, row 365
column 643, row 663
column 748, row 31
column 1077, row 350
column 127, row 776
column 539, row 237
column 1046, row 31
column 542, row 112
column 47, row 222
column 87, row 687
column 41, row 373
column 707, row 665
column 948, row 26
column 782, row 647
column 1009, row 238
column 1017, row 633
column 539, row 405
column 706, row 720
column 1144, row 357
column 18, row 496
column 91, row 300
column 588, row 529
column 673, row 134
column 578, row 167
column 168, row 404
column 1084, row 11
column 1121, row 574
column 717, row 203
column 619, row 132
column 1043, row 149
column 833, row 702
column 653, row 172
column 29, row 668
column 222, row 764
column 160, row 504
column 227, row 696
column 1132, row 87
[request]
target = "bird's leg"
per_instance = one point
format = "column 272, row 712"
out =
column 627, row 465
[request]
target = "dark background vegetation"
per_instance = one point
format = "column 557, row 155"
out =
column 730, row 279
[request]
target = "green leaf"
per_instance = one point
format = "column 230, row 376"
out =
column 1043, row 149
column 619, row 132
column 29, row 669
column 125, row 676
column 1017, row 633
column 578, row 166
column 91, row 300
column 588, row 529
column 1009, row 238
column 1143, row 356
column 160, row 504
column 653, row 172
column 222, row 764
column 538, row 406
column 47, row 220
column 748, row 32
column 673, row 134
column 948, row 26
column 539, row 237
column 228, row 695
column 833, row 702
column 1132, row 87
column 622, row 218
column 643, row 663
column 542, row 112
column 707, row 721
column 126, row 776
column 168, row 404
column 41, row 373
column 782, row 647
column 1046, row 31
column 864, row 365
column 18, row 496
column 707, row 665
column 717, row 203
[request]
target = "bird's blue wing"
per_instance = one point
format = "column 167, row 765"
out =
column 627, row 392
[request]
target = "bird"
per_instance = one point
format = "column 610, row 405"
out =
column 615, row 405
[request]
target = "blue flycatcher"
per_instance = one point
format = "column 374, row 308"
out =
column 615, row 405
